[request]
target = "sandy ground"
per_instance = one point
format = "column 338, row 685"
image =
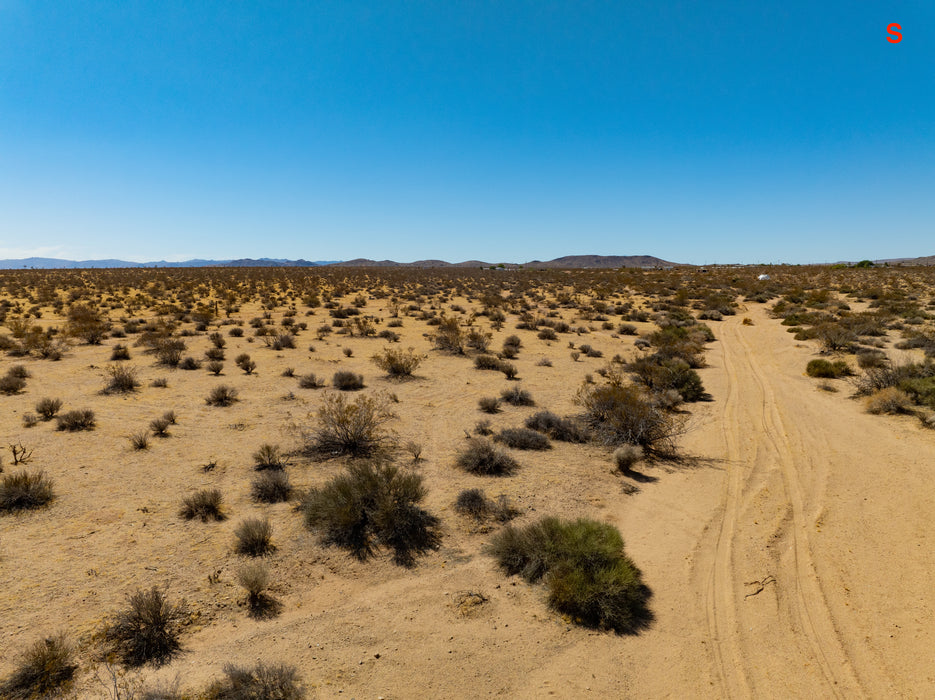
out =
column 789, row 553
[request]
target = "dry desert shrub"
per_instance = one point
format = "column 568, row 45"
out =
column 618, row 414
column 119, row 352
column 253, row 577
column 626, row 456
column 889, row 400
column 523, row 439
column 147, row 631
column 397, row 363
column 205, row 504
column 11, row 384
column 24, row 490
column 269, row 457
column 474, row 503
column 45, row 670
column 245, row 363
column 517, row 397
column 262, row 682
column 489, row 404
column 47, row 408
column 586, row 571
column 561, row 429
column 347, row 381
column 371, row 506
column 356, row 428
column 254, row 537
column 222, row 395
column 73, row 421
column 483, row 458
column 122, row 380
column 271, row 487
column 310, row 381
column 487, row 362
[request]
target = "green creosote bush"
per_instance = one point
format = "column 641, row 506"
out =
column 827, row 370
column 372, row 506
column 585, row 569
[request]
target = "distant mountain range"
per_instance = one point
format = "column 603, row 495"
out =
column 566, row 262
column 58, row 264
column 569, row 261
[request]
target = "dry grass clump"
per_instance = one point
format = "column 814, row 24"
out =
column 205, row 504
column 160, row 426
column 483, row 458
column 139, row 440
column 147, row 631
column 586, row 571
column 356, row 428
column 222, row 395
column 372, row 506
column 254, row 537
column 271, row 487
column 73, row 421
column 245, row 363
column 523, row 439
column 24, row 491
column 215, row 367
column 398, row 363
column 45, row 670
column 262, row 682
column 889, row 400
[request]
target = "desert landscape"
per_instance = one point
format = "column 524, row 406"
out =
column 454, row 482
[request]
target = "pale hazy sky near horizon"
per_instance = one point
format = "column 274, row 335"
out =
column 733, row 131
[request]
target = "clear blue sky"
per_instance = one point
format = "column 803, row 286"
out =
column 746, row 131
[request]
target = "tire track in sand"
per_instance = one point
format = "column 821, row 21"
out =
column 803, row 632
